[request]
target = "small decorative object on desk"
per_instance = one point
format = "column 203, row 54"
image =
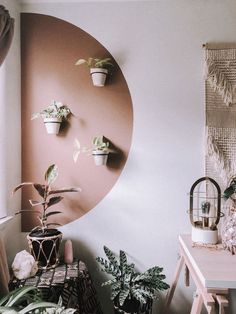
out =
column 131, row 291
column 204, row 211
column 24, row 265
column 44, row 242
column 228, row 233
column 53, row 116
column 68, row 252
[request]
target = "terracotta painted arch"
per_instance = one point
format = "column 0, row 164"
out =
column 49, row 49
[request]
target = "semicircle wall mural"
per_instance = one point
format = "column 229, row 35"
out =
column 50, row 48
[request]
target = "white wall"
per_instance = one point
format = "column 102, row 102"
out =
column 10, row 113
column 10, row 137
column 158, row 45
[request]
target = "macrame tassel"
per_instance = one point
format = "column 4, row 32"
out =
column 219, row 81
column 222, row 164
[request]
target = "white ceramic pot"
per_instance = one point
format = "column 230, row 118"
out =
column 52, row 125
column 204, row 236
column 100, row 157
column 98, row 76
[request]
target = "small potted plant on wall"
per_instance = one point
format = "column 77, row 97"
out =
column 44, row 241
column 99, row 69
column 52, row 116
column 131, row 291
column 99, row 150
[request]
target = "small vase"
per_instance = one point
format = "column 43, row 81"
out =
column 228, row 233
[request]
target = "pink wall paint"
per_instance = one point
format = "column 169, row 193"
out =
column 49, row 49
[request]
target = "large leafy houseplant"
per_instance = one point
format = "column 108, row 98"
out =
column 43, row 236
column 131, row 291
column 28, row 300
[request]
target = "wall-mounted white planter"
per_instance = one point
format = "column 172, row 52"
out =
column 52, row 125
column 100, row 157
column 98, row 76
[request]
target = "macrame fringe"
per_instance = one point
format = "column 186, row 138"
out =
column 219, row 81
column 222, row 165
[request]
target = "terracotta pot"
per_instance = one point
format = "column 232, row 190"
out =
column 44, row 246
column 99, row 76
column 52, row 125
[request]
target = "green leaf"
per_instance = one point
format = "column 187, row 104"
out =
column 80, row 61
column 229, row 192
column 64, row 190
column 40, row 189
column 52, row 213
column 54, row 200
column 37, row 305
column 124, row 295
column 36, row 203
column 123, row 261
column 20, row 186
column 111, row 257
column 51, row 174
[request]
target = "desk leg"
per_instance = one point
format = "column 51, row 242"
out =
column 223, row 302
column 174, row 283
column 197, row 304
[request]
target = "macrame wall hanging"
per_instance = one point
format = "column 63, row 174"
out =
column 220, row 93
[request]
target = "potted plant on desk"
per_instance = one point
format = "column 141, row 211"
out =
column 131, row 291
column 53, row 116
column 44, row 242
column 99, row 69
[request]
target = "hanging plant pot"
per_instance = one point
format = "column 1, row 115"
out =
column 52, row 125
column 100, row 157
column 44, row 246
column 98, row 76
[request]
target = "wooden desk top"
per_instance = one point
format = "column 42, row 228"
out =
column 215, row 268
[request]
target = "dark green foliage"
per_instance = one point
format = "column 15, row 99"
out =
column 230, row 190
column 128, row 283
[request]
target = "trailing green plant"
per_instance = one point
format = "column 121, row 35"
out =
column 48, row 196
column 28, row 299
column 129, row 284
column 55, row 110
column 230, row 190
column 95, row 62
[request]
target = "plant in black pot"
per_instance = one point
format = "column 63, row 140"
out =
column 131, row 291
column 44, row 240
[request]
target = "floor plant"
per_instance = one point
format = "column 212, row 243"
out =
column 131, row 291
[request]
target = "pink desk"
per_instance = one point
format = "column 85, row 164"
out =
column 213, row 272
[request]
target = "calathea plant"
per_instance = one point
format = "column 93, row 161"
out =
column 131, row 291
